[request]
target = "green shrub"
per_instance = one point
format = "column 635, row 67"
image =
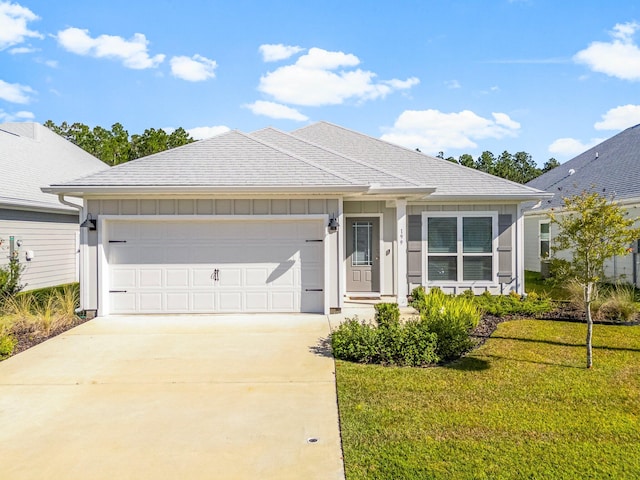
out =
column 355, row 341
column 513, row 304
column 10, row 278
column 7, row 344
column 389, row 342
column 452, row 319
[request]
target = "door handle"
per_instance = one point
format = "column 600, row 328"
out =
column 215, row 276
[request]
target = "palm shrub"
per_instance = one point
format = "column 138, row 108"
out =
column 452, row 319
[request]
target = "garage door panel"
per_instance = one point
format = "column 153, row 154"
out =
column 150, row 302
column 203, row 302
column 177, row 301
column 284, row 301
column 202, row 277
column 169, row 266
column 123, row 302
column 230, row 302
column 256, row 276
column 150, row 277
column 177, row 277
column 123, row 278
column 257, row 301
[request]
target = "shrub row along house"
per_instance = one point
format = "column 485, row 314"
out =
column 611, row 168
column 292, row 222
column 35, row 227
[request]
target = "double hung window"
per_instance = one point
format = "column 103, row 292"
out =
column 460, row 247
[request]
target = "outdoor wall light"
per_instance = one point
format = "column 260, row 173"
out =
column 90, row 223
column 333, row 224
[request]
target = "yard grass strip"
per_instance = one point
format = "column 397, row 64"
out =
column 520, row 406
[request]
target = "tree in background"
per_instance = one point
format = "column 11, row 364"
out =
column 593, row 229
column 115, row 146
column 518, row 167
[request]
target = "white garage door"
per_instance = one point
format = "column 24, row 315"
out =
column 215, row 266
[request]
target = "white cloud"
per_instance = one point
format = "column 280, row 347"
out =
column 570, row 147
column 453, row 84
column 276, row 110
column 433, row 131
column 619, row 118
column 619, row 58
column 200, row 133
column 275, row 52
column 133, row 53
column 21, row 116
column 21, row 50
column 15, row 93
column 194, row 69
column 13, row 24
column 312, row 81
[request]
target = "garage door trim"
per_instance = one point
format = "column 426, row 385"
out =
column 103, row 232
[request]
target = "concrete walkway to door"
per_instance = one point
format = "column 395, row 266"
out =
column 173, row 397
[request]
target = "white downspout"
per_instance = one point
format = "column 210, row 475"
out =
column 83, row 251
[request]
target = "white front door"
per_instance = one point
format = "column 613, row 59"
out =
column 215, row 266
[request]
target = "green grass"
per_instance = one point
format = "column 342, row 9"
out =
column 521, row 406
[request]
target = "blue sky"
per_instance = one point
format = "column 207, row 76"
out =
column 548, row 77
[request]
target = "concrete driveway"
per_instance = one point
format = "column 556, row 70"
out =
column 173, row 397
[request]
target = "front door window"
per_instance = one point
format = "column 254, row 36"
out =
column 362, row 242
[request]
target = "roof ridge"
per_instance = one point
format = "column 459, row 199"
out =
column 379, row 140
column 304, row 160
column 347, row 157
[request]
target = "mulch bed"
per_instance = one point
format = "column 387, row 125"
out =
column 563, row 312
column 27, row 339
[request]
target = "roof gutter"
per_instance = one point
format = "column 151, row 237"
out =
column 515, row 197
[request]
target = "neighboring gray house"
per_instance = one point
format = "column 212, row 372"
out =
column 35, row 225
column 292, row 222
column 611, row 168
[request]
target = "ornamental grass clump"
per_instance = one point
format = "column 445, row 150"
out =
column 451, row 318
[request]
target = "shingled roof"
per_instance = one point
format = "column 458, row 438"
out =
column 31, row 156
column 611, row 167
column 452, row 181
column 319, row 158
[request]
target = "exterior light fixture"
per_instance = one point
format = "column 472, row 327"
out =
column 333, row 224
column 90, row 223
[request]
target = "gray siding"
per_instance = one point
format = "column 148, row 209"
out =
column 506, row 249
column 414, row 250
column 52, row 238
column 213, row 206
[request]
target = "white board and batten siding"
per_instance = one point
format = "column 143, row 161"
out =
column 215, row 266
column 53, row 238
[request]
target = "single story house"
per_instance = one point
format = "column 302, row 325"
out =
column 292, row 222
column 34, row 226
column 610, row 168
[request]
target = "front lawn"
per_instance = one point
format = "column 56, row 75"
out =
column 520, row 406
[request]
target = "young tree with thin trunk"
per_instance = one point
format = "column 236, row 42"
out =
column 593, row 229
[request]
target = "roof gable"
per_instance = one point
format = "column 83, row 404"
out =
column 32, row 156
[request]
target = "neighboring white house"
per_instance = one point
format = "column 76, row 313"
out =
column 611, row 168
column 34, row 225
column 292, row 222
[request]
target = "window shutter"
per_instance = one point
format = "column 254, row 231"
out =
column 505, row 249
column 414, row 250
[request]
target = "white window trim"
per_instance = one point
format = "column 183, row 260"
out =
column 540, row 222
column 459, row 215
